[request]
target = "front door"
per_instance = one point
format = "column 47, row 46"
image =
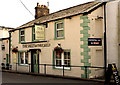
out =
column 7, row 59
column 35, row 63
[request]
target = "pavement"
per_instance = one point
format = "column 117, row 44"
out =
column 16, row 78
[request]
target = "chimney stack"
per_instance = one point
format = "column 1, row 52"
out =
column 41, row 10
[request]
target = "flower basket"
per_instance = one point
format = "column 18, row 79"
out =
column 58, row 50
column 14, row 50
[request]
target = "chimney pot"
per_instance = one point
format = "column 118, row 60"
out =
column 41, row 10
column 37, row 4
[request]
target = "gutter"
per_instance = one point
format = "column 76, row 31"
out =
column 105, row 41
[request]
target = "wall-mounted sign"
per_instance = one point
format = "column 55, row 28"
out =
column 94, row 42
column 35, row 45
column 39, row 32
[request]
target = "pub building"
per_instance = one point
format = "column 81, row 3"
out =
column 71, row 37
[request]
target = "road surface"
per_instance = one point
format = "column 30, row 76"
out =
column 23, row 78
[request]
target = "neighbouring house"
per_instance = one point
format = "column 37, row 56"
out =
column 4, row 45
column 82, row 35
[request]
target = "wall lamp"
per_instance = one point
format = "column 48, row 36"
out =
column 99, row 17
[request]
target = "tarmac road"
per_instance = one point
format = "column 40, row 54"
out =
column 23, row 78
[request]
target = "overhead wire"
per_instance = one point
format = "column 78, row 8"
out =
column 26, row 8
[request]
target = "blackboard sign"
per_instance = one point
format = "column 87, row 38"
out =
column 112, row 70
column 94, row 42
column 115, row 74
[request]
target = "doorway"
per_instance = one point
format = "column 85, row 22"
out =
column 7, row 59
column 35, row 61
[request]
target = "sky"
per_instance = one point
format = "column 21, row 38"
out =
column 14, row 14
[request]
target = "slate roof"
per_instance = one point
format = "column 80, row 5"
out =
column 3, row 27
column 72, row 11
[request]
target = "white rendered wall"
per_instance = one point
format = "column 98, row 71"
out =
column 112, row 32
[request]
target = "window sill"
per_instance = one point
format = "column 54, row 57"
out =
column 22, row 64
column 59, row 38
column 22, row 42
column 61, row 68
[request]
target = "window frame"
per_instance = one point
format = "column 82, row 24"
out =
column 19, row 61
column 62, row 55
column 22, row 35
column 33, row 34
column 3, row 47
column 55, row 27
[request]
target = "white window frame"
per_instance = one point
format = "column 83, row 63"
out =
column 62, row 61
column 23, row 57
column 34, row 34
column 62, row 29
column 22, row 36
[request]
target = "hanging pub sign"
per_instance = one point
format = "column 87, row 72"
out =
column 39, row 32
column 94, row 42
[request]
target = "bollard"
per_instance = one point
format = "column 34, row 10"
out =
column 63, row 70
column 29, row 67
column 45, row 69
column 85, row 71
column 16, row 66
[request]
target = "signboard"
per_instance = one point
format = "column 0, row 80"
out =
column 35, row 45
column 94, row 42
column 115, row 74
column 39, row 32
column 112, row 70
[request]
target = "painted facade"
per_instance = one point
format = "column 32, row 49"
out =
column 5, row 51
column 4, row 44
column 73, row 40
column 70, row 34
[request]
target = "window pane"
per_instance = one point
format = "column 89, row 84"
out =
column 22, row 32
column 68, row 55
column 58, row 59
column 67, row 63
column 22, row 38
column 58, row 63
column 58, row 56
column 65, row 55
column 33, row 30
column 60, row 33
column 33, row 36
column 59, row 25
column 67, row 59
column 21, row 58
column 26, row 58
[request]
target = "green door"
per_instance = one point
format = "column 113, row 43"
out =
column 7, row 59
column 35, row 63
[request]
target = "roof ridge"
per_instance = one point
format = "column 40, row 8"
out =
column 81, row 8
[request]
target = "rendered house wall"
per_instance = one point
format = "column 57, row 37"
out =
column 72, row 42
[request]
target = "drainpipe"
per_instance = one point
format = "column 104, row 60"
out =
column 9, row 47
column 105, row 41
